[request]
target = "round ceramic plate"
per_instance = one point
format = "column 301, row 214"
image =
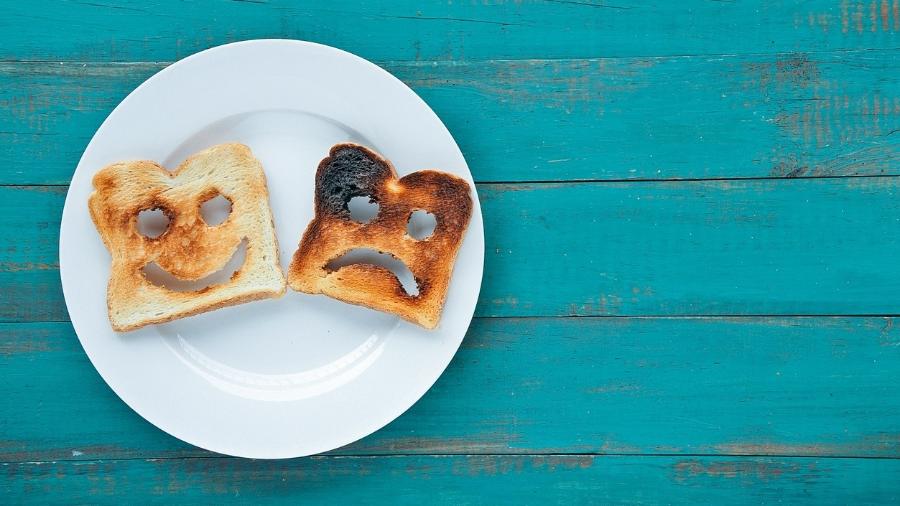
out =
column 275, row 378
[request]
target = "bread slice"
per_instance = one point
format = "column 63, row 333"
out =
column 189, row 249
column 351, row 171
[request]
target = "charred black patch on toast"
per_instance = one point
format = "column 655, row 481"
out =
column 350, row 171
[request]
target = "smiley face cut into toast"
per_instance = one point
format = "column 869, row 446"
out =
column 351, row 171
column 189, row 249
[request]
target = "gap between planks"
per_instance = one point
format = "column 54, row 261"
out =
column 450, row 62
column 591, row 181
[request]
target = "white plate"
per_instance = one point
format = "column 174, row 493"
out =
column 278, row 378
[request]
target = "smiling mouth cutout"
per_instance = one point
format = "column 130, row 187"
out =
column 162, row 278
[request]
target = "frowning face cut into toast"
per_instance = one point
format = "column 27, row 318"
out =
column 186, row 266
column 320, row 264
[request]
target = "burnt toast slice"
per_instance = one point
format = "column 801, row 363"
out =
column 349, row 171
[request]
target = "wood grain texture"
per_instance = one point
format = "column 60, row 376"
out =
column 676, row 386
column 543, row 479
column 788, row 115
column 756, row 247
column 405, row 29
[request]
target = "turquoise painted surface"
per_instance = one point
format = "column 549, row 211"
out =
column 772, row 246
column 464, row 479
column 791, row 115
column 677, row 386
column 648, row 171
column 155, row 30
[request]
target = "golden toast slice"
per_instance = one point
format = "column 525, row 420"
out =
column 351, row 171
column 189, row 249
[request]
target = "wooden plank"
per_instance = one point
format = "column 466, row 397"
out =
column 554, row 479
column 678, row 386
column 406, row 29
column 791, row 115
column 755, row 247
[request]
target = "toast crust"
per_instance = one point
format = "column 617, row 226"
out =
column 351, row 170
column 189, row 249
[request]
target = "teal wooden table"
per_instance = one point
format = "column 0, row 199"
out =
column 692, row 215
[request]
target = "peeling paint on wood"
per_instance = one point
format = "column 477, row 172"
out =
column 746, row 470
column 28, row 266
column 886, row 440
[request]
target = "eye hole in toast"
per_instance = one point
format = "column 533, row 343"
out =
column 371, row 257
column 162, row 278
column 421, row 225
column 363, row 209
column 152, row 223
column 215, row 210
